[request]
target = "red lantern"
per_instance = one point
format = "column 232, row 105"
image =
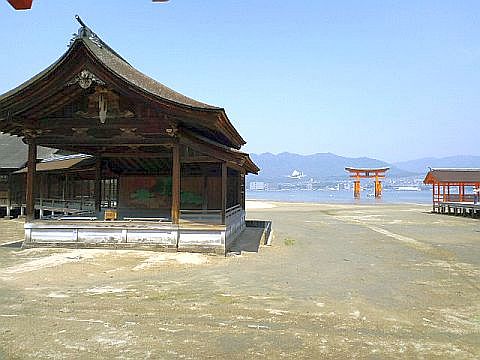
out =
column 21, row 4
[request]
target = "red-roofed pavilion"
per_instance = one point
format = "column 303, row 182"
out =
column 452, row 185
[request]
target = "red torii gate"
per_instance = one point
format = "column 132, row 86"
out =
column 367, row 173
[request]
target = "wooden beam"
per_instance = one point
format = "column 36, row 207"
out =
column 176, row 169
column 139, row 155
column 31, row 170
column 209, row 149
column 56, row 141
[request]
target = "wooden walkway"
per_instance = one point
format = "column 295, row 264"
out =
column 458, row 208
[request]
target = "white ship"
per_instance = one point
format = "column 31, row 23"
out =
column 296, row 175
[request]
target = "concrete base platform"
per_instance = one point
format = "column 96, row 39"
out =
column 126, row 234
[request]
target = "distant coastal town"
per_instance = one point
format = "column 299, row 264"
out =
column 410, row 183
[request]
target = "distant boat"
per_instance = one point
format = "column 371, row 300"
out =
column 296, row 175
column 408, row 188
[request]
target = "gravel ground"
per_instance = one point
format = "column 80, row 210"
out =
column 340, row 281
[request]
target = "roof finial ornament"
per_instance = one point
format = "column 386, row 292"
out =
column 80, row 21
column 85, row 31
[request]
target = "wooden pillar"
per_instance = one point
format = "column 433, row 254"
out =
column 176, row 173
column 31, row 169
column 98, row 184
column 224, row 190
column 242, row 190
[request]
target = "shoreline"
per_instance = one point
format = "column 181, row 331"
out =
column 258, row 204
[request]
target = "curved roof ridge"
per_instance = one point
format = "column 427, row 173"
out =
column 124, row 69
column 100, row 52
column 34, row 78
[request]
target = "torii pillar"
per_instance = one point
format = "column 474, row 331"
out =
column 378, row 187
column 367, row 173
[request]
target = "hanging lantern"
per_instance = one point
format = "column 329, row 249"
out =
column 21, row 4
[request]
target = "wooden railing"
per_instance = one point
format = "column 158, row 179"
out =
column 4, row 198
column 235, row 222
column 468, row 198
column 66, row 205
column 232, row 213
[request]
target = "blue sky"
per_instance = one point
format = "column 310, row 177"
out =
column 393, row 80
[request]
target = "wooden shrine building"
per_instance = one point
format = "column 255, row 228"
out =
column 367, row 173
column 454, row 190
column 163, row 170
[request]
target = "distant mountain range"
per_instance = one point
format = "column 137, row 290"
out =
column 326, row 166
column 422, row 165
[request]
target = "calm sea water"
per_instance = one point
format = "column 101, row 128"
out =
column 342, row 196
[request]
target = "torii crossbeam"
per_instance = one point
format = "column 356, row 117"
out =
column 367, row 173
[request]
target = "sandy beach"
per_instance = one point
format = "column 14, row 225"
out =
column 339, row 281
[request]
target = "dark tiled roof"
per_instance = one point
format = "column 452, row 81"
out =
column 120, row 68
column 123, row 69
column 88, row 42
column 470, row 176
column 114, row 62
column 14, row 153
column 62, row 163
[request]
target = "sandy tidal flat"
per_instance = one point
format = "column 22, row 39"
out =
column 340, row 281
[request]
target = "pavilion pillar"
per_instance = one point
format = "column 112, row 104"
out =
column 31, row 170
column 98, row 184
column 176, row 169
column 224, row 191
